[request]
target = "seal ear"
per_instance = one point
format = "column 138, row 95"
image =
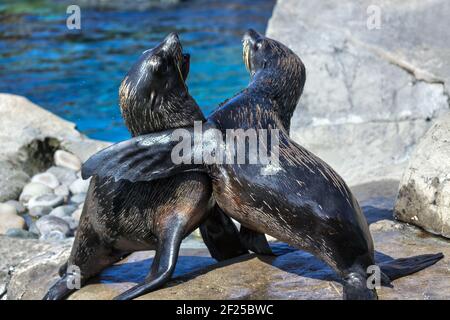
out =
column 143, row 158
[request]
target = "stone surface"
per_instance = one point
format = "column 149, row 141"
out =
column 34, row 189
column 62, row 191
column 370, row 95
column 9, row 218
column 65, row 176
column 67, row 160
column 79, row 186
column 47, row 179
column 39, row 211
column 78, row 198
column 29, row 136
column 46, row 200
column 47, row 224
column 20, row 233
column 424, row 196
column 19, row 207
column 63, row 211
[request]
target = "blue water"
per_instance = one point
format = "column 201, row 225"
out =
column 76, row 73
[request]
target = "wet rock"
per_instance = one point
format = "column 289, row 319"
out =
column 46, row 178
column 67, row 160
column 63, row 211
column 77, row 214
column 369, row 94
column 20, row 233
column 73, row 224
column 9, row 218
column 78, row 198
column 48, row 224
column 79, row 186
column 62, row 191
column 34, row 189
column 65, row 176
column 424, row 196
column 39, row 211
column 46, row 200
column 19, row 207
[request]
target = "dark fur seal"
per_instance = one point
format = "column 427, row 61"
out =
column 121, row 217
column 304, row 202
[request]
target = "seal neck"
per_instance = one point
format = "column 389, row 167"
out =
column 175, row 111
column 284, row 87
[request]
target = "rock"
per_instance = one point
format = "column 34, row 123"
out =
column 9, row 218
column 62, row 191
column 53, row 236
column 19, row 207
column 63, row 211
column 34, row 189
column 39, row 211
column 385, row 225
column 46, row 200
column 67, row 160
column 73, row 224
column 47, row 224
column 78, row 198
column 29, row 136
column 424, row 194
column 65, row 176
column 370, row 93
column 47, row 179
column 77, row 214
column 20, row 233
column 79, row 186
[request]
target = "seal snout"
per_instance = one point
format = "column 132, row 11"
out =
column 251, row 36
column 171, row 42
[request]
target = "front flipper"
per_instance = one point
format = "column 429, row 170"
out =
column 255, row 241
column 221, row 236
column 152, row 156
column 163, row 264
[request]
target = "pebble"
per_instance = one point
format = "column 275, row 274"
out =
column 79, row 186
column 39, row 211
column 78, row 198
column 19, row 207
column 73, row 224
column 47, row 224
column 46, row 200
column 53, row 236
column 46, row 178
column 62, row 190
column 65, row 176
column 34, row 189
column 67, row 160
column 20, row 233
column 63, row 211
column 9, row 218
column 77, row 214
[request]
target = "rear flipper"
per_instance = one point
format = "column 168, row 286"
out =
column 61, row 289
column 221, row 236
column 405, row 266
column 255, row 241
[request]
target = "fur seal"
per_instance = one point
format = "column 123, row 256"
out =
column 304, row 202
column 121, row 217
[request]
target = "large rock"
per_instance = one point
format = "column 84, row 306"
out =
column 424, row 196
column 370, row 95
column 29, row 136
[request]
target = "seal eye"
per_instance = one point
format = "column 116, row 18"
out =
column 258, row 45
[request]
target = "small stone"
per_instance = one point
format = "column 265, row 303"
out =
column 65, row 176
column 33, row 189
column 77, row 214
column 20, row 233
column 385, row 225
column 63, row 211
column 78, row 198
column 79, row 186
column 67, row 160
column 47, row 179
column 73, row 224
column 9, row 218
column 19, row 207
column 47, row 224
column 39, row 211
column 46, row 200
column 33, row 229
column 53, row 236
column 62, row 190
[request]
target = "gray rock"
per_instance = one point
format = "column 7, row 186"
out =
column 47, row 179
column 73, row 224
column 34, row 189
column 369, row 94
column 67, row 160
column 20, row 233
column 53, row 236
column 39, row 211
column 77, row 214
column 78, row 198
column 9, row 218
column 62, row 191
column 79, row 186
column 65, row 176
column 47, row 224
column 63, row 211
column 424, row 196
column 46, row 200
column 19, row 207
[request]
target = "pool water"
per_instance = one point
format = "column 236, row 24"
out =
column 76, row 73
